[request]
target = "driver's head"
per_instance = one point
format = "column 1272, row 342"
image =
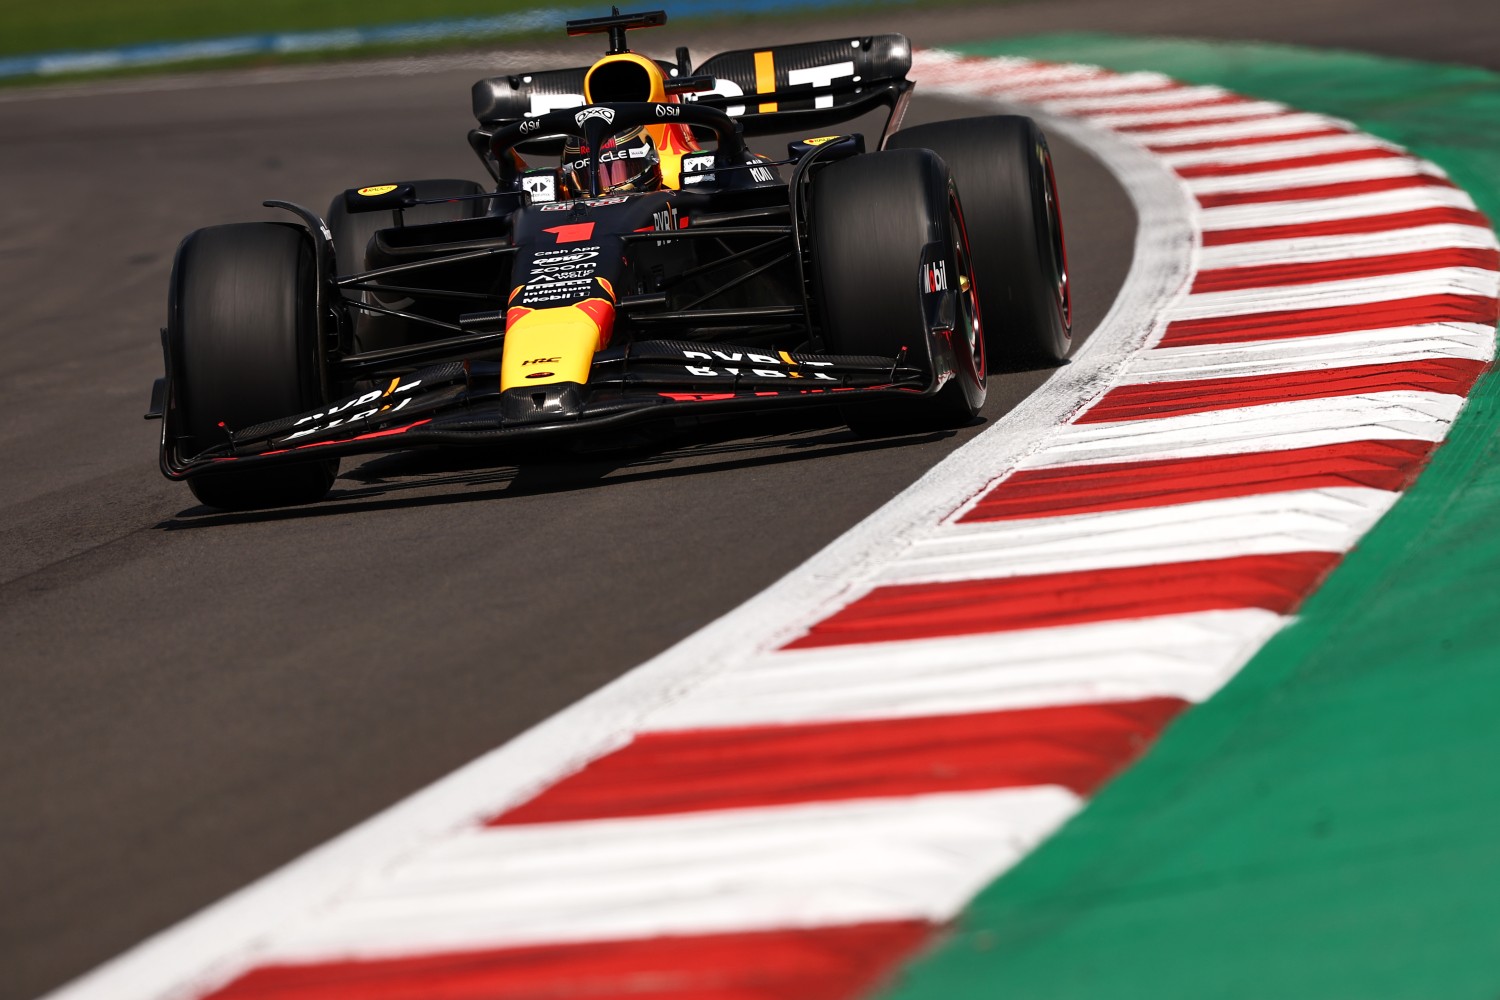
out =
column 628, row 162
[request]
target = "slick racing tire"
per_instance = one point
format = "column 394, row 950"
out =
column 243, row 332
column 872, row 219
column 352, row 234
column 1004, row 174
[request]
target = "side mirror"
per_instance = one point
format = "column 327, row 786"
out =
column 379, row 198
column 541, row 185
column 698, row 168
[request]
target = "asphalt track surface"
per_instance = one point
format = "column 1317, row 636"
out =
column 191, row 699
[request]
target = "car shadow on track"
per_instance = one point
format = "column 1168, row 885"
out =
column 440, row 477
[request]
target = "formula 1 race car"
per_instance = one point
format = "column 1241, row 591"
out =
column 631, row 260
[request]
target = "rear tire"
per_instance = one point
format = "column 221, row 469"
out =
column 1004, row 174
column 873, row 216
column 243, row 329
column 352, row 234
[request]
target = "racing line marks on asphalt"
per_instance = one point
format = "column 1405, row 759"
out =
column 792, row 800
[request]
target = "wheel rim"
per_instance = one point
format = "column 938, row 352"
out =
column 969, row 317
column 1057, row 246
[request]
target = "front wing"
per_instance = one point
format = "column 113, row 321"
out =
column 460, row 403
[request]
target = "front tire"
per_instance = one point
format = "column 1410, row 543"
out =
column 1003, row 170
column 873, row 218
column 243, row 329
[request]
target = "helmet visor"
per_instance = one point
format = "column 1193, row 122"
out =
column 618, row 173
column 626, row 162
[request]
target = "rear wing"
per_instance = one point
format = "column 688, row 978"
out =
column 808, row 85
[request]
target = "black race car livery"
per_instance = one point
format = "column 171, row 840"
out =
column 629, row 259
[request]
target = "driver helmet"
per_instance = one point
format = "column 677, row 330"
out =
column 628, row 162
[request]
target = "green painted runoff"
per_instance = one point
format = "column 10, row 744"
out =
column 1325, row 827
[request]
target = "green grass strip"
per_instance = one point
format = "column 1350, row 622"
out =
column 27, row 27
column 1326, row 826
